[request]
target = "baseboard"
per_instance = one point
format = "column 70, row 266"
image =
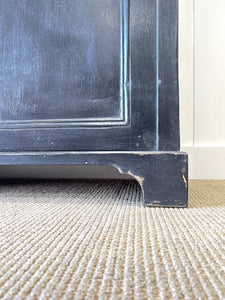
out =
column 206, row 162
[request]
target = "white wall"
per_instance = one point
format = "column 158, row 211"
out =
column 202, row 86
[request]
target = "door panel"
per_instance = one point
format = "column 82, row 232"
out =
column 62, row 61
column 78, row 75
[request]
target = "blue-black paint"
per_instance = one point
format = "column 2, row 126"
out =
column 161, row 175
column 93, row 76
column 157, row 75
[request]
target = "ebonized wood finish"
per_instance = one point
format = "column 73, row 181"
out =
column 95, row 82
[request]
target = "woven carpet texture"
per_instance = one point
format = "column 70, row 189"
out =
column 96, row 240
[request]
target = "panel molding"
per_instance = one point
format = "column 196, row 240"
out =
column 125, row 94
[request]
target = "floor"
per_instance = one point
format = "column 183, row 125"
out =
column 95, row 240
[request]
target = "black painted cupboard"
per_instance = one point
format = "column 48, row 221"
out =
column 94, row 82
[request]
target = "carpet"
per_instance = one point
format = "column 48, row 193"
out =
column 95, row 240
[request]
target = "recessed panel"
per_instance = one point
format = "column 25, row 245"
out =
column 63, row 60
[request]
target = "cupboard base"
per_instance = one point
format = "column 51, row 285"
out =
column 163, row 176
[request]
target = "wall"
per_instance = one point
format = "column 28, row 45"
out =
column 202, row 86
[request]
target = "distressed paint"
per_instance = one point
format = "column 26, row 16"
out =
column 161, row 175
column 52, row 51
column 94, row 83
column 72, row 65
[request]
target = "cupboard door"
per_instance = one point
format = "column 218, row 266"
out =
column 82, row 75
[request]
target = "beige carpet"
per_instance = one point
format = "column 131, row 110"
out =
column 90, row 240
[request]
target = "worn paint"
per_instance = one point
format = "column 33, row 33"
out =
column 58, row 153
column 185, row 181
column 159, row 152
column 138, row 178
column 147, row 170
column 168, row 206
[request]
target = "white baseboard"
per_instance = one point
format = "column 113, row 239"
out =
column 206, row 162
